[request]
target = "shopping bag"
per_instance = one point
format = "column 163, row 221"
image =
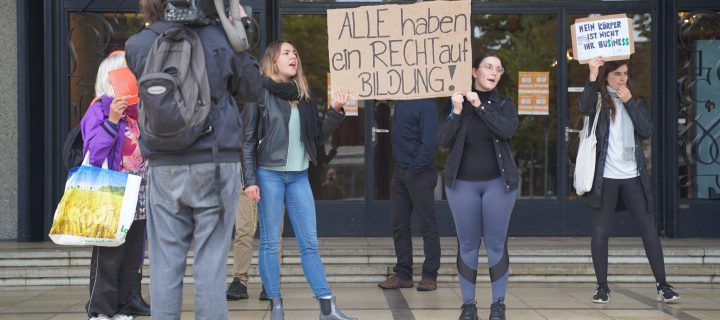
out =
column 585, row 160
column 97, row 207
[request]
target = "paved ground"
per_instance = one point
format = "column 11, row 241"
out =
column 525, row 301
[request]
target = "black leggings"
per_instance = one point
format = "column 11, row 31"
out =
column 602, row 219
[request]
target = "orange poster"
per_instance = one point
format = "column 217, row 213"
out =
column 534, row 93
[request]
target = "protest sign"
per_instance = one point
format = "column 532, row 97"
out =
column 401, row 52
column 608, row 36
column 534, row 93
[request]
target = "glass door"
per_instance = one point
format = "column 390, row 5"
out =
column 524, row 43
column 698, row 124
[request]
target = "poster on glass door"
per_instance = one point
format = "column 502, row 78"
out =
column 533, row 93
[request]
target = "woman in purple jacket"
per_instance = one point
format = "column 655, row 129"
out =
column 110, row 132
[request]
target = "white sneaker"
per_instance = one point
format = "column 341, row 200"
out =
column 122, row 317
column 100, row 317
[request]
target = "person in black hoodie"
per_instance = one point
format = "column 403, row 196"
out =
column 281, row 132
column 620, row 171
column 193, row 193
column 481, row 180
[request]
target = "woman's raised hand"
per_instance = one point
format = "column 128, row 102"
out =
column 473, row 98
column 624, row 94
column 253, row 192
column 340, row 99
column 594, row 65
column 117, row 107
column 457, row 100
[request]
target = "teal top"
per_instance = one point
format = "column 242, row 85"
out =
column 297, row 159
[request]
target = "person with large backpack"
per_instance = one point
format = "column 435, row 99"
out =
column 190, row 83
column 109, row 131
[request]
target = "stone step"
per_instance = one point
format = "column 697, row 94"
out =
column 520, row 272
column 568, row 254
column 371, row 260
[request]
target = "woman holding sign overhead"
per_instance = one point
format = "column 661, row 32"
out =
column 481, row 180
column 281, row 132
column 620, row 171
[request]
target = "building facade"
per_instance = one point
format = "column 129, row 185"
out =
column 49, row 77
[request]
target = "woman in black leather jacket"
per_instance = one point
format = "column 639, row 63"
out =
column 281, row 132
column 481, row 180
column 620, row 171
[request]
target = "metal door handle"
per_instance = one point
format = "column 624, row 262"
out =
column 568, row 130
column 375, row 131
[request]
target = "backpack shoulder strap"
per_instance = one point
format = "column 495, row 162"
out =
column 160, row 26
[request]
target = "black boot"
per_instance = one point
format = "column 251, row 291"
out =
column 137, row 305
column 276, row 309
column 263, row 294
column 330, row 311
column 237, row 290
column 469, row 311
column 497, row 310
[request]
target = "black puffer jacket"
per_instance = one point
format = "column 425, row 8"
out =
column 500, row 115
column 643, row 129
column 266, row 134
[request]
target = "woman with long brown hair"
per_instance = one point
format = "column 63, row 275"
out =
column 620, row 171
column 281, row 132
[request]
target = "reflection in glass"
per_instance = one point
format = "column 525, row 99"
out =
column 697, row 114
column 91, row 37
column 641, row 66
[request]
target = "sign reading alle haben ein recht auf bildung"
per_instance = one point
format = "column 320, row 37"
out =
column 608, row 36
column 398, row 52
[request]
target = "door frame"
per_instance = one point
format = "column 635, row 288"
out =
column 557, row 217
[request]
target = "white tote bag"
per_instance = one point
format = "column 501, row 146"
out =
column 97, row 208
column 585, row 160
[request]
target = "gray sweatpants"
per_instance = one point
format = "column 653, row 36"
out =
column 183, row 208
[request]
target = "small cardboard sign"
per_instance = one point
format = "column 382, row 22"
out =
column 609, row 36
column 534, row 93
column 396, row 52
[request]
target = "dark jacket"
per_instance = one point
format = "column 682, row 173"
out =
column 414, row 127
column 500, row 115
column 643, row 129
column 234, row 78
column 266, row 134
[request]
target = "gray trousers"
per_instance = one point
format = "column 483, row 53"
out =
column 184, row 208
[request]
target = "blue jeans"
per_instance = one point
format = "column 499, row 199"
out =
column 291, row 188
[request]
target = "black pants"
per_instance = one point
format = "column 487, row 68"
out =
column 114, row 271
column 602, row 219
column 414, row 193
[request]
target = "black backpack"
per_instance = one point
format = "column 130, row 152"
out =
column 72, row 151
column 174, row 90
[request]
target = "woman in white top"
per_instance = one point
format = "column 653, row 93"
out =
column 620, row 171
